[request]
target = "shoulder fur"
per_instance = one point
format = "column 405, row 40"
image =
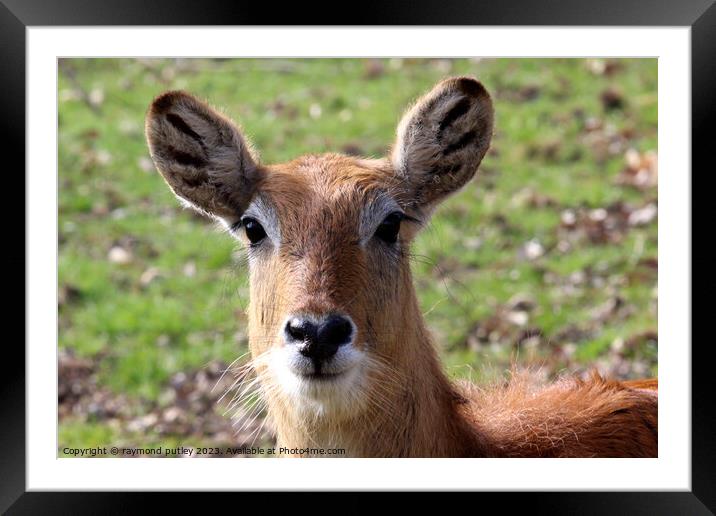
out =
column 569, row 418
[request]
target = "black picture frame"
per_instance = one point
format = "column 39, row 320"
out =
column 17, row 15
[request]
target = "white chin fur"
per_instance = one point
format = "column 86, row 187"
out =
column 323, row 397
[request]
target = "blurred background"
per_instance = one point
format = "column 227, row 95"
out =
column 548, row 259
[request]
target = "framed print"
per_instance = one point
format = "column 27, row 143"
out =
column 417, row 248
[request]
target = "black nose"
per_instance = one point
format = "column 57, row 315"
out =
column 319, row 341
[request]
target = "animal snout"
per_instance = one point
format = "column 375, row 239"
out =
column 319, row 339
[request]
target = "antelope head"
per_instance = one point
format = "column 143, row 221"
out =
column 332, row 311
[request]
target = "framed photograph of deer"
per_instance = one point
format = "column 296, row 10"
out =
column 400, row 258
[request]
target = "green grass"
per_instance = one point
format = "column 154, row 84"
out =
column 468, row 261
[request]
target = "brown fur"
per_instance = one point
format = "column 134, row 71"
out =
column 404, row 406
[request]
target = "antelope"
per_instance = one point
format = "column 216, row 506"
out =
column 337, row 339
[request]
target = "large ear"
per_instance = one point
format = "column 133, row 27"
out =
column 201, row 154
column 442, row 139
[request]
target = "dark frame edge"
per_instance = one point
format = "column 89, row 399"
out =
column 386, row 12
column 583, row 503
column 703, row 113
column 12, row 390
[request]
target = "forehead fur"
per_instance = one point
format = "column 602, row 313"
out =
column 329, row 180
column 329, row 176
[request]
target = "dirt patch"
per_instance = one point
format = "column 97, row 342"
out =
column 189, row 409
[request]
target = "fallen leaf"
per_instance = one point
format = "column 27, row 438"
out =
column 148, row 276
column 119, row 255
column 612, row 99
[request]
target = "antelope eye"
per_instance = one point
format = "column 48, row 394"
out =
column 389, row 228
column 254, row 231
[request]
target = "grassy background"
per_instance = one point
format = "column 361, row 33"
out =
column 548, row 258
